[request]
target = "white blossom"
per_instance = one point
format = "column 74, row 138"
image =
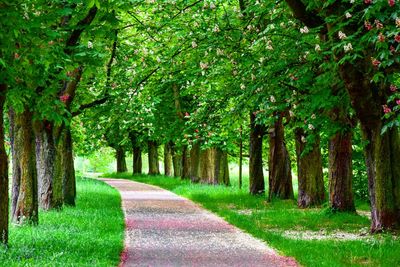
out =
column 272, row 99
column 304, row 30
column 348, row 47
column 317, row 47
column 342, row 35
column 90, row 45
column 348, row 15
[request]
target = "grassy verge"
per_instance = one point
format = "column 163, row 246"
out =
column 91, row 234
column 314, row 237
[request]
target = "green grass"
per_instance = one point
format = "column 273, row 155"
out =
column 269, row 221
column 91, row 234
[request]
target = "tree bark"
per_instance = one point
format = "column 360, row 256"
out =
column 195, row 163
column 256, row 175
column 154, row 168
column 69, row 179
column 168, row 159
column 241, row 158
column 341, row 172
column 24, row 185
column 45, row 162
column 382, row 152
column 4, row 202
column 280, row 173
column 310, row 176
column 137, row 154
column 137, row 160
column 221, row 167
column 206, row 166
column 176, row 162
column 185, row 163
column 121, row 162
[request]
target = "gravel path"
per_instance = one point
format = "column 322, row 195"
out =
column 163, row 229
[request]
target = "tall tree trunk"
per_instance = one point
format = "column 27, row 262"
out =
column 206, row 168
column 137, row 160
column 185, row 174
column 69, row 179
column 45, row 161
column 3, row 174
column 176, row 162
column 382, row 158
column 310, row 176
column 24, row 185
column 137, row 154
column 382, row 152
column 241, row 158
column 195, row 163
column 168, row 159
column 256, row 175
column 341, row 172
column 221, row 167
column 280, row 172
column 154, row 168
column 121, row 162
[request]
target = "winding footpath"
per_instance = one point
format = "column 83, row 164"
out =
column 163, row 229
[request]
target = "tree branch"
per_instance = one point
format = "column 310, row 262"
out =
column 79, row 28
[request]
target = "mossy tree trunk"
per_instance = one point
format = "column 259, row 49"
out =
column 341, row 172
column 186, row 162
column 45, row 163
column 24, row 181
column 309, row 173
column 137, row 160
column 121, row 161
column 256, row 174
column 136, row 153
column 4, row 202
column 154, row 168
column 195, row 163
column 176, row 162
column 168, row 159
column 382, row 152
column 221, row 167
column 206, row 166
column 69, row 179
column 280, row 172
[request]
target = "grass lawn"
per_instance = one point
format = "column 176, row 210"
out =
column 315, row 237
column 91, row 234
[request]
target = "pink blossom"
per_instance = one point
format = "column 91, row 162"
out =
column 375, row 62
column 397, row 38
column 386, row 109
column 392, row 49
column 378, row 24
column 65, row 98
column 381, row 37
column 398, row 102
column 393, row 88
column 368, row 2
column 391, row 2
column 367, row 25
